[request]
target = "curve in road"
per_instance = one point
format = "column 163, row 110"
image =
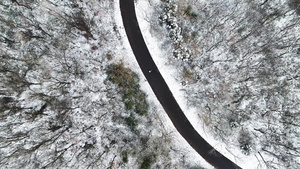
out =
column 163, row 93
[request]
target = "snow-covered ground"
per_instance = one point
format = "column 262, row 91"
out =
column 240, row 87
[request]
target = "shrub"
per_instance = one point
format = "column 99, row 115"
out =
column 246, row 148
column 133, row 98
column 245, row 142
column 122, row 76
column 141, row 108
column 187, row 74
column 129, row 104
column 295, row 5
column 148, row 161
column 190, row 12
column 124, row 155
column 131, row 122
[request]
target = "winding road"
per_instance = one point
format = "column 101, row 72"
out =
column 163, row 93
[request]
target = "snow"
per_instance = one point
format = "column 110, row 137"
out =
column 72, row 106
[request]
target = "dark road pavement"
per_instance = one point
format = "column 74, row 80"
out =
column 163, row 93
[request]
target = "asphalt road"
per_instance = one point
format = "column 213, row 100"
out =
column 163, row 93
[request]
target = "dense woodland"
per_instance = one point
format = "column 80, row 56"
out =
column 240, row 65
column 68, row 100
